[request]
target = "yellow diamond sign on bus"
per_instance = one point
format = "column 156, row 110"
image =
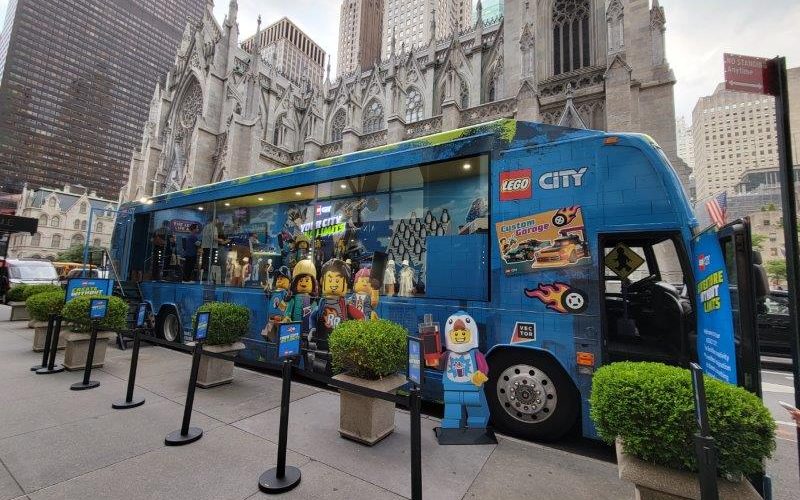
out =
column 623, row 261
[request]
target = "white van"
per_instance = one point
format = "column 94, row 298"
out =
column 31, row 272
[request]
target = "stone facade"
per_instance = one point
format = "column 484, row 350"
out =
column 63, row 221
column 225, row 112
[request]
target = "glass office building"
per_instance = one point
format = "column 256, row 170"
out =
column 76, row 79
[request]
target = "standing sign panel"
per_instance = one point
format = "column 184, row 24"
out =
column 201, row 326
column 98, row 309
column 715, row 342
column 289, row 339
column 79, row 287
column 415, row 361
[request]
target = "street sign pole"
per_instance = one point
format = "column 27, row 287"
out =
column 789, row 216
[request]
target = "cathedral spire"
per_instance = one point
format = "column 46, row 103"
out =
column 479, row 14
column 433, row 24
column 233, row 12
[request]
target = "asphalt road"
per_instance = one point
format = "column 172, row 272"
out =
column 783, row 467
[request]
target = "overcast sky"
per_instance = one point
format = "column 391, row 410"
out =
column 698, row 33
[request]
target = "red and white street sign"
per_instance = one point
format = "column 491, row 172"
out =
column 748, row 74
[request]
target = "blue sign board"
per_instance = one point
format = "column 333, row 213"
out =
column 715, row 334
column 288, row 339
column 141, row 315
column 98, row 308
column 201, row 326
column 79, row 287
column 414, row 361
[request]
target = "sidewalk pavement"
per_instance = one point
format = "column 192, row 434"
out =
column 60, row 444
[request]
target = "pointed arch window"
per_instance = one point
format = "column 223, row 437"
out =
column 83, row 208
column 83, row 225
column 55, row 221
column 463, row 95
column 76, row 240
column 76, row 224
column 414, row 105
column 373, row 117
column 99, row 227
column 51, row 202
column 337, row 125
column 571, row 43
column 280, row 132
column 56, row 242
column 42, row 220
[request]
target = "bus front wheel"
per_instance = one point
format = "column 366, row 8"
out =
column 168, row 327
column 530, row 395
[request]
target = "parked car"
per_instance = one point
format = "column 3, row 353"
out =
column 773, row 324
column 30, row 272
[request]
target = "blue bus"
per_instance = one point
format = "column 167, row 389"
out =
column 570, row 249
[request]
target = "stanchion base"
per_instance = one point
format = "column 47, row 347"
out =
column 80, row 386
column 46, row 371
column 269, row 482
column 124, row 405
column 37, row 367
column 465, row 436
column 175, row 438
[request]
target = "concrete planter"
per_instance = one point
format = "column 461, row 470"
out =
column 654, row 482
column 19, row 312
column 31, row 322
column 364, row 419
column 40, row 335
column 77, row 346
column 214, row 371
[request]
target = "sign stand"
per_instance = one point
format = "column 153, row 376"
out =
column 416, row 375
column 51, row 363
column 703, row 442
column 187, row 434
column 98, row 308
column 129, row 401
column 51, row 320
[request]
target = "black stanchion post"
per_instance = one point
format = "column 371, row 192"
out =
column 129, row 401
column 704, row 446
column 186, row 434
column 87, row 370
column 51, row 363
column 416, row 444
column 51, row 319
column 282, row 478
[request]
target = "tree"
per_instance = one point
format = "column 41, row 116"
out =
column 75, row 254
column 776, row 269
column 758, row 241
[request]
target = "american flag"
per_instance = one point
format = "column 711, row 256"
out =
column 717, row 208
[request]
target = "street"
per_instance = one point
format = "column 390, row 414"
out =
column 783, row 468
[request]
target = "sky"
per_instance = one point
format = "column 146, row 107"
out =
column 698, row 33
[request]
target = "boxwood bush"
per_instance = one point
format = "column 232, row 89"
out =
column 15, row 294
column 32, row 290
column 369, row 349
column 229, row 322
column 76, row 313
column 42, row 305
column 651, row 407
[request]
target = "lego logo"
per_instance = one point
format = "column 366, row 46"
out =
column 512, row 185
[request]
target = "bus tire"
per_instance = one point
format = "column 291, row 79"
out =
column 530, row 396
column 168, row 326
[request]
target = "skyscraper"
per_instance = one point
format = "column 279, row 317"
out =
column 292, row 52
column 491, row 9
column 411, row 22
column 77, row 77
column 360, row 26
column 683, row 134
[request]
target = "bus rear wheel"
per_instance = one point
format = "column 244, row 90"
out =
column 530, row 395
column 168, row 327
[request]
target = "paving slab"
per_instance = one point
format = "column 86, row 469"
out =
column 528, row 470
column 313, row 431
column 223, row 465
column 67, row 451
column 8, row 486
column 152, row 361
column 320, row 481
column 172, row 384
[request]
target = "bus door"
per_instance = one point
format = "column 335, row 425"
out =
column 647, row 310
column 748, row 286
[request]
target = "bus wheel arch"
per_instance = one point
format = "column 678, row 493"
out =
column 168, row 324
column 530, row 394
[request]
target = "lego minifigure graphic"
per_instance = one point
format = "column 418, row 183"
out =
column 389, row 278
column 267, row 274
column 365, row 297
column 277, row 303
column 464, row 373
column 304, row 291
column 406, row 280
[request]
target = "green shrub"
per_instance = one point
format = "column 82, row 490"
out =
column 369, row 349
column 32, row 290
column 15, row 294
column 229, row 322
column 651, row 407
column 76, row 313
column 42, row 305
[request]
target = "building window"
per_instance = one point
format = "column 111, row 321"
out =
column 571, row 45
column 373, row 117
column 56, row 243
column 76, row 224
column 55, row 221
column 96, row 242
column 463, row 95
column 337, row 127
column 51, row 202
column 36, row 239
column 42, row 220
column 99, row 227
column 76, row 240
column 83, row 225
column 83, row 208
column 280, row 132
column 414, row 105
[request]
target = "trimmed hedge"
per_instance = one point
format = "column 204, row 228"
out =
column 369, row 349
column 15, row 293
column 32, row 290
column 76, row 313
column 42, row 305
column 229, row 322
column 651, row 407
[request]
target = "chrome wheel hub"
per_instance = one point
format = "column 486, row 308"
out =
column 526, row 393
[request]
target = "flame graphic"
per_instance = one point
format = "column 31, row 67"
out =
column 550, row 295
column 570, row 212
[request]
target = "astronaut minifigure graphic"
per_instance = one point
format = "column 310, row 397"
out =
column 464, row 372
